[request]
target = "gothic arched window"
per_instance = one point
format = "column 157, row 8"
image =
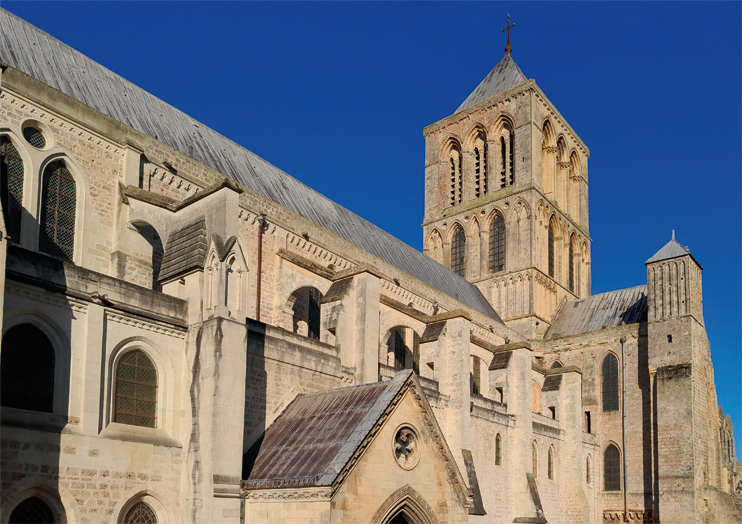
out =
column 456, row 178
column 497, row 244
column 33, row 510
column 458, row 248
column 11, row 187
column 612, row 469
column 498, row 450
column 58, row 202
column 136, row 390
column 571, row 264
column 551, row 249
column 27, row 369
column 609, row 376
column 140, row 513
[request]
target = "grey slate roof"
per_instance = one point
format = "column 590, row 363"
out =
column 185, row 250
column 317, row 434
column 36, row 53
column 672, row 249
column 505, row 75
column 606, row 310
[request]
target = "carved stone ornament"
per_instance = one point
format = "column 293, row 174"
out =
column 406, row 447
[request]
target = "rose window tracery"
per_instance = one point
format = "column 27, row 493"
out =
column 406, row 446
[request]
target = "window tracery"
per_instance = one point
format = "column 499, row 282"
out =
column 458, row 248
column 136, row 390
column 58, row 201
column 11, row 187
column 497, row 244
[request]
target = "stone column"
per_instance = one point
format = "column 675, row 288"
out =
column 367, row 288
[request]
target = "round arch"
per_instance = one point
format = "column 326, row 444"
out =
column 62, row 350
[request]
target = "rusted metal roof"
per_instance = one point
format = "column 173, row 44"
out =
column 36, row 53
column 313, row 439
column 606, row 310
column 506, row 74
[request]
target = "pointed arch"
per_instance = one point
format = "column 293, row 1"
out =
column 476, row 142
column 551, row 245
column 550, row 465
column 573, row 252
column 12, row 174
column 435, row 246
column 609, row 383
column 400, row 348
column 548, row 158
column 304, row 305
column 611, row 468
column 505, row 151
column 575, row 185
column 408, row 502
column 497, row 243
column 458, row 250
column 453, row 160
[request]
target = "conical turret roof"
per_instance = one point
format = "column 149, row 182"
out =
column 505, row 75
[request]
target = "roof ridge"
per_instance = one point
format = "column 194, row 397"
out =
column 177, row 129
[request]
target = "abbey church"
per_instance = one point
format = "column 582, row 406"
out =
column 191, row 335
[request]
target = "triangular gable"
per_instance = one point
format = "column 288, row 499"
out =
column 319, row 438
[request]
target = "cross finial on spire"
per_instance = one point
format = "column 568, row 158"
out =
column 508, row 47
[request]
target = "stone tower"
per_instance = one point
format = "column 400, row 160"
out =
column 682, row 378
column 506, row 199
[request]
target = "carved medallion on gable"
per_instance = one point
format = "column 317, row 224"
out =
column 406, row 447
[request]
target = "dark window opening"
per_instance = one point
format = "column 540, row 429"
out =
column 588, row 423
column 476, row 378
column 11, row 187
column 458, row 247
column 612, row 469
column 669, row 338
column 32, row 511
column 399, row 348
column 610, row 383
column 497, row 245
column 27, row 369
column 551, row 249
column 498, row 450
column 552, row 412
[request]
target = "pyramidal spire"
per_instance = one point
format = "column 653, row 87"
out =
column 672, row 249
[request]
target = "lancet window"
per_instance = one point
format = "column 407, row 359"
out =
column 610, row 383
column 11, row 187
column 497, row 244
column 612, row 469
column 58, row 202
column 458, row 248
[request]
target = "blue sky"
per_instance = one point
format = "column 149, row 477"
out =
column 337, row 94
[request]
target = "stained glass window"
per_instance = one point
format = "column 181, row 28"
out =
column 612, row 468
column 140, row 513
column 136, row 390
column 610, row 383
column 497, row 245
column 458, row 247
column 11, row 187
column 59, row 199
column 551, row 249
column 27, row 369
column 571, row 266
